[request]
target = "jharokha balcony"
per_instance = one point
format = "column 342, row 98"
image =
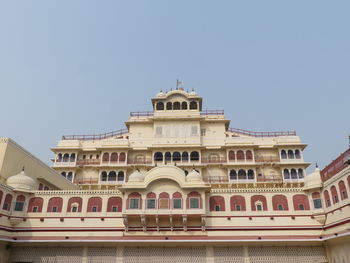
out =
column 87, row 162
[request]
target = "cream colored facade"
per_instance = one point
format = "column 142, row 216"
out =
column 177, row 184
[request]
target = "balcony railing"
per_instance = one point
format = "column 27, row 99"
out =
column 144, row 161
column 141, row 113
column 86, row 181
column 89, row 162
column 216, row 179
column 214, row 160
column 212, row 112
column 95, row 136
column 262, row 134
column 267, row 159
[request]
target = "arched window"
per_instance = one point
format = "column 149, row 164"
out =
column 55, row 205
column 104, row 176
column 193, row 105
column 151, row 201
column 194, row 156
column 283, row 154
column 59, row 158
column 134, row 201
column 177, row 200
column 194, row 200
column 114, row 204
column 217, row 203
column 70, row 176
column 66, row 157
column 279, row 202
column 286, row 174
column 301, row 202
column 249, row 155
column 240, row 155
column 72, row 158
column 122, row 157
column 169, row 106
column 160, row 106
column 64, row 174
column 112, row 176
column 7, row 202
column 300, row 173
column 297, row 154
column 231, row 155
column 233, row 175
column 105, row 158
column 19, row 205
column 237, row 203
column 316, row 198
column 121, row 176
column 290, row 154
column 258, row 203
column 242, row 175
column 35, row 205
column 293, row 174
column 251, row 174
column 334, row 194
column 114, row 157
column 176, row 105
column 167, row 156
column 342, row 190
column 184, row 105
column 176, row 157
column 184, row 157
column 94, row 204
column 158, row 157
column 164, row 201
column 74, row 204
column 326, row 198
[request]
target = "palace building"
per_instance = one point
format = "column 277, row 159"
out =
column 177, row 184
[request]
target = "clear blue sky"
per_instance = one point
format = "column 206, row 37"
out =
column 81, row 66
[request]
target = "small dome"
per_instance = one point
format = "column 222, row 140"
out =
column 21, row 181
column 136, row 176
column 193, row 93
column 313, row 180
column 160, row 94
column 193, row 176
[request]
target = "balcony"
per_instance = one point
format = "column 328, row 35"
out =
column 216, row 179
column 262, row 134
column 146, row 161
column 95, row 137
column 64, row 164
column 214, row 160
column 212, row 112
column 88, row 162
column 267, row 159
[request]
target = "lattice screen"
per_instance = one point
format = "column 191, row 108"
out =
column 102, row 254
column 287, row 254
column 164, row 254
column 46, row 254
column 228, row 255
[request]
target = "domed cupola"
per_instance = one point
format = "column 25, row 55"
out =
column 313, row 180
column 194, row 176
column 21, row 182
column 136, row 176
column 160, row 94
column 193, row 93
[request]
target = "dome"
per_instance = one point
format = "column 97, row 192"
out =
column 21, row 181
column 193, row 176
column 313, row 180
column 193, row 93
column 136, row 176
column 160, row 94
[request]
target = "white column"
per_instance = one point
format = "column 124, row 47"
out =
column 246, row 254
column 120, row 252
